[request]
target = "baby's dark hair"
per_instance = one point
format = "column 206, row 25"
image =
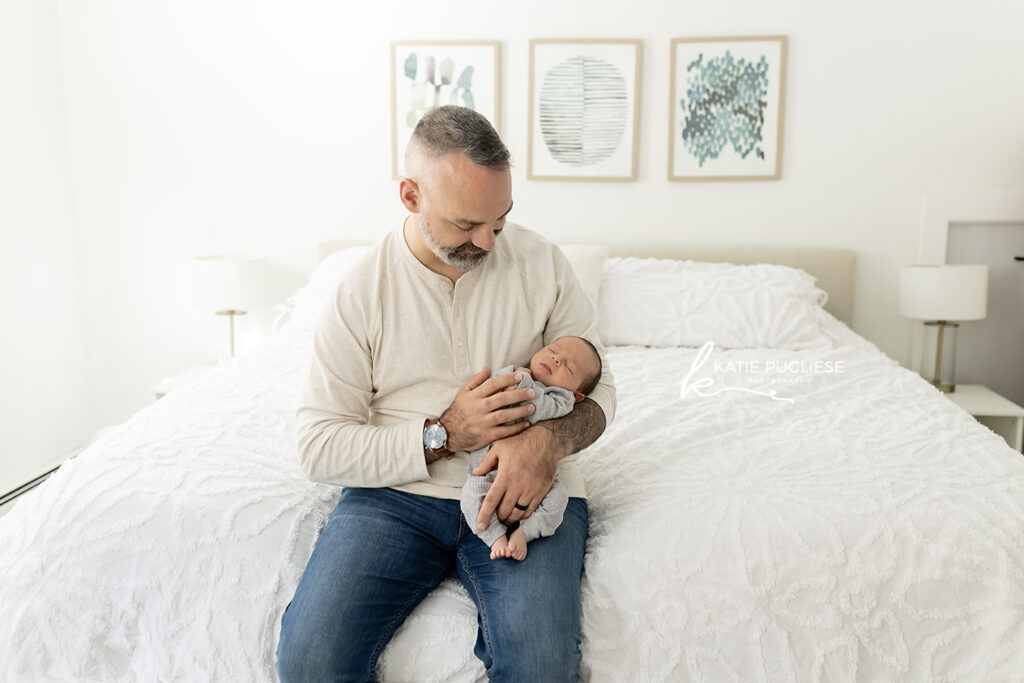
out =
column 591, row 384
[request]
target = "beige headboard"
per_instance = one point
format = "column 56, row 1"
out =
column 834, row 268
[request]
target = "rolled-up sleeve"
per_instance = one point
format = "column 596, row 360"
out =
column 336, row 444
column 574, row 315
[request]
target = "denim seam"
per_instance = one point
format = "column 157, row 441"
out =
column 480, row 602
column 400, row 617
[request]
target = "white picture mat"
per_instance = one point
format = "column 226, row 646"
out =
column 729, row 161
column 483, row 57
column 624, row 57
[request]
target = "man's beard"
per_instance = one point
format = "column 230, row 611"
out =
column 465, row 257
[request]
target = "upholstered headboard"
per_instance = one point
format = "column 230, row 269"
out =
column 834, row 268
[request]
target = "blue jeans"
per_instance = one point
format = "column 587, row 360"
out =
column 384, row 550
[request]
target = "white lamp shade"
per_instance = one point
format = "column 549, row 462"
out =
column 230, row 282
column 952, row 291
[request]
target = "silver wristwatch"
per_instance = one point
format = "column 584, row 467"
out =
column 435, row 439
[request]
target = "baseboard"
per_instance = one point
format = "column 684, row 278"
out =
column 26, row 487
column 36, row 481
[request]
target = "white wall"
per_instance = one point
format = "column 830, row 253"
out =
column 42, row 358
column 199, row 127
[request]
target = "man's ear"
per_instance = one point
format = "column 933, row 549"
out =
column 579, row 396
column 409, row 193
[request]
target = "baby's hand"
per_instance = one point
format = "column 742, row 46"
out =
column 513, row 387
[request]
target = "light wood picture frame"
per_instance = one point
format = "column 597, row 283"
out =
column 726, row 108
column 572, row 138
column 430, row 73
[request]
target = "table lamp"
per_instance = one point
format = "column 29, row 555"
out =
column 230, row 284
column 939, row 295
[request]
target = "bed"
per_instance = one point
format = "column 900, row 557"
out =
column 801, row 513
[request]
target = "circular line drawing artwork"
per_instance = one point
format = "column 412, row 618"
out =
column 583, row 110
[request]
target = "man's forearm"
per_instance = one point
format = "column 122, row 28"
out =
column 339, row 452
column 578, row 429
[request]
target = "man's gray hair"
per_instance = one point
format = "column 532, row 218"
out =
column 450, row 128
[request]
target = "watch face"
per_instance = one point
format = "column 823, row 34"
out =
column 434, row 437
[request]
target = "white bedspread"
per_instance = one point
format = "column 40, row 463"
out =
column 869, row 530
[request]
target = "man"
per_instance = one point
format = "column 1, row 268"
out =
column 418, row 320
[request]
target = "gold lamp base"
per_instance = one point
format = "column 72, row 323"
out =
column 231, row 318
column 946, row 388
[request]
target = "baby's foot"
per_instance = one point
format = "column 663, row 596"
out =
column 499, row 548
column 517, row 545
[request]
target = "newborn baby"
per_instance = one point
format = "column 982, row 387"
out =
column 561, row 375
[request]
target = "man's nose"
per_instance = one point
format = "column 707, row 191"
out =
column 484, row 238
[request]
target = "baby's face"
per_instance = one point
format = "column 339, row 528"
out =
column 566, row 362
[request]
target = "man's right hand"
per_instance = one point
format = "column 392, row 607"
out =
column 480, row 410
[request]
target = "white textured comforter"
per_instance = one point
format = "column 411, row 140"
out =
column 867, row 530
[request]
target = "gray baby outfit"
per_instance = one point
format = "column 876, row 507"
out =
column 549, row 403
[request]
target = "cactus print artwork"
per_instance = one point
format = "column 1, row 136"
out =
column 427, row 74
column 436, row 85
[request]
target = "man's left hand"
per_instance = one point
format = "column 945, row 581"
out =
column 527, row 464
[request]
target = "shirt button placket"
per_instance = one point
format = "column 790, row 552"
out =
column 453, row 323
column 460, row 345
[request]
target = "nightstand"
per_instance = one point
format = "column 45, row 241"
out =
column 169, row 384
column 1001, row 415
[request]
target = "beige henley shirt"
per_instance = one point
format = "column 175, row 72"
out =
column 399, row 340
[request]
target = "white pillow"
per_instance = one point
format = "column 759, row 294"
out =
column 662, row 302
column 587, row 261
column 307, row 304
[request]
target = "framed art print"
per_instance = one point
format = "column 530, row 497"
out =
column 431, row 74
column 584, row 106
column 726, row 108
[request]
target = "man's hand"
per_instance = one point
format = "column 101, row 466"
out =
column 480, row 410
column 527, row 464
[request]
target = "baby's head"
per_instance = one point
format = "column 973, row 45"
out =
column 568, row 362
